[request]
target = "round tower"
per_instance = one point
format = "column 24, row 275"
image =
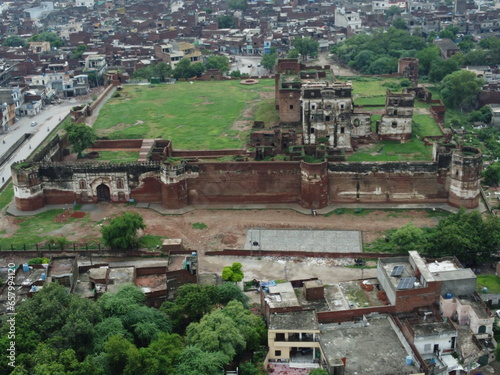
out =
column 28, row 191
column 314, row 185
column 465, row 175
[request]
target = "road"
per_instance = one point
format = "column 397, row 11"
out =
column 242, row 63
column 47, row 120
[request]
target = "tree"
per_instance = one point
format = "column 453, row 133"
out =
column 394, row 10
column 216, row 332
column 400, row 23
column 467, row 236
column 14, row 41
column 450, row 32
column 269, row 59
column 460, row 89
column 118, row 350
column 384, row 65
column 78, row 52
column 293, row 54
column 162, row 355
column 228, row 292
column 226, row 21
column 122, row 231
column 306, row 47
column 363, row 60
column 47, row 36
column 195, row 361
column 426, row 57
column 251, row 327
column 81, row 136
column 183, row 69
column 492, row 174
column 233, row 272
column 441, row 68
column 218, row 62
column 237, row 4
column 409, row 237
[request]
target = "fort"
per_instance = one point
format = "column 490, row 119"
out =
column 317, row 119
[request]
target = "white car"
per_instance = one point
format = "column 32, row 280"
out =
column 497, row 313
column 34, row 123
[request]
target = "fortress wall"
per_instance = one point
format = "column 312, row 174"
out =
column 252, row 182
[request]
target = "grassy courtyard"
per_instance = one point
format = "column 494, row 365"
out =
column 201, row 115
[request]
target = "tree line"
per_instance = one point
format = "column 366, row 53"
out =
column 201, row 331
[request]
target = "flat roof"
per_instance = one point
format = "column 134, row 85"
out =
column 294, row 321
column 465, row 273
column 432, row 329
column 310, row 240
column 370, row 347
column 281, row 295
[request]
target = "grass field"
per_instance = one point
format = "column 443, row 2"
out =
column 37, row 228
column 194, row 116
column 492, row 282
column 368, row 87
column 6, row 196
column 425, row 125
column 118, row 156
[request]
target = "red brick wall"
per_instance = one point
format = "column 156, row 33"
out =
column 149, row 191
column 31, row 203
column 174, row 196
column 254, row 182
column 287, row 98
column 314, row 185
column 292, row 253
column 59, row 197
column 408, row 300
column 143, row 271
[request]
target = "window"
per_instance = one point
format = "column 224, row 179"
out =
column 394, row 125
column 119, row 183
column 291, row 106
column 312, row 130
column 327, row 118
column 277, row 353
column 342, row 130
column 342, row 106
column 313, row 106
column 83, row 184
column 356, row 122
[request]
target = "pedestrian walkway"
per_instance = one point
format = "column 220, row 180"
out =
column 12, row 209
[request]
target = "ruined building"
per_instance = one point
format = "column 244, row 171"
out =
column 310, row 100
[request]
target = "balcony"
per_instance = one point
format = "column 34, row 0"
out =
column 296, row 338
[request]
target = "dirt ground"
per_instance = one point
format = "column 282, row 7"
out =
column 226, row 228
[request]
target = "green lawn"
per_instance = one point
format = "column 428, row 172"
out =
column 425, row 125
column 413, row 150
column 364, row 86
column 194, row 116
column 37, row 228
column 118, row 156
column 6, row 196
column 492, row 282
column 371, row 100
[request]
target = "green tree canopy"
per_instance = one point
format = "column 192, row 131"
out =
column 14, row 41
column 269, row 59
column 47, row 36
column 218, row 62
column 122, row 231
column 237, row 4
column 426, row 57
column 467, row 236
column 400, row 23
column 460, row 89
column 226, row 21
column 233, row 272
column 393, row 11
column 441, row 68
column 195, row 361
column 78, row 52
column 81, row 136
column 306, row 47
column 492, row 174
column 409, row 237
column 216, row 332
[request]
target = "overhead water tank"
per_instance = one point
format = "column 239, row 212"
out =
column 409, row 360
column 448, row 296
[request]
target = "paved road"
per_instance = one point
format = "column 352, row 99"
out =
column 243, row 63
column 47, row 120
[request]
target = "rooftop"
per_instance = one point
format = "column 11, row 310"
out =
column 282, row 295
column 294, row 321
column 378, row 350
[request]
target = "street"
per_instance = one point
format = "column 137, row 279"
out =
column 242, row 63
column 47, row 120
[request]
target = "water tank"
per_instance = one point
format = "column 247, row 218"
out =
column 485, row 290
column 409, row 360
column 26, row 268
column 448, row 296
column 33, row 288
column 193, row 253
column 44, row 276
